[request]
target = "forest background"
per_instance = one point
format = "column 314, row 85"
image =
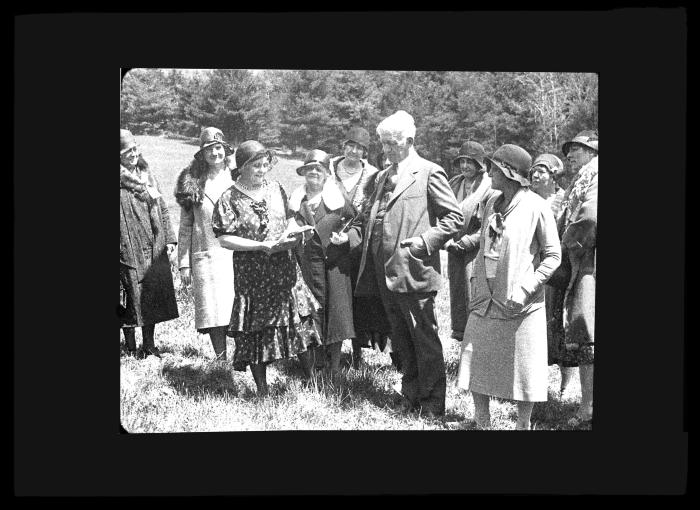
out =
column 298, row 110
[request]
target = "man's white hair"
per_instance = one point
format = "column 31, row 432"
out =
column 399, row 125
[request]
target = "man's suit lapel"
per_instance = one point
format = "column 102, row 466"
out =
column 375, row 204
column 405, row 180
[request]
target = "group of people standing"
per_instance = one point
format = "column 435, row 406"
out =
column 354, row 254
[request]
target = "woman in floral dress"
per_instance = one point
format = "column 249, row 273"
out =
column 274, row 314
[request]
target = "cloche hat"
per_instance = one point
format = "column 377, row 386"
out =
column 315, row 157
column 513, row 161
column 126, row 141
column 588, row 138
column 551, row 162
column 358, row 135
column 474, row 151
column 250, row 150
column 211, row 136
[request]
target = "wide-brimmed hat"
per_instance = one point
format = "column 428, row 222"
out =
column 316, row 157
column 474, row 151
column 588, row 138
column 211, row 136
column 250, row 150
column 551, row 162
column 126, row 141
column 358, row 135
column 513, row 161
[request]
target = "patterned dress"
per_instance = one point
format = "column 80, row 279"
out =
column 273, row 309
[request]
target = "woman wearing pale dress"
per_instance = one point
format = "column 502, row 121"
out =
column 518, row 251
column 356, row 179
column 204, row 264
column 274, row 315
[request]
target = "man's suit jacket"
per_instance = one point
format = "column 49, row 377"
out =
column 422, row 204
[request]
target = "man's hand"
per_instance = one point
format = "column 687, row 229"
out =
column 185, row 276
column 416, row 246
column 453, row 247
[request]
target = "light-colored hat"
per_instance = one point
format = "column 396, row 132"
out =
column 126, row 141
column 551, row 162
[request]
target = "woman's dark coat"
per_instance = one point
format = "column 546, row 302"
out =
column 327, row 267
column 147, row 294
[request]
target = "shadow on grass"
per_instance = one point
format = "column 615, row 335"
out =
column 215, row 379
column 349, row 388
column 554, row 415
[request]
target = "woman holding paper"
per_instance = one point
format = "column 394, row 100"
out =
column 147, row 241
column 273, row 314
column 325, row 256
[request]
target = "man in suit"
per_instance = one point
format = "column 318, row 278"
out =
column 413, row 214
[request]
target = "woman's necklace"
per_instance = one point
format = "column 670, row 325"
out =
column 253, row 192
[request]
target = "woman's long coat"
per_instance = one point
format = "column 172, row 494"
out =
column 578, row 223
column 508, row 357
column 211, row 265
column 327, row 268
column 371, row 323
column 460, row 266
column 147, row 294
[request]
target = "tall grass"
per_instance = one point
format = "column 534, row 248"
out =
column 189, row 391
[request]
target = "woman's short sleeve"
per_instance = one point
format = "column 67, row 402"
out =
column 224, row 220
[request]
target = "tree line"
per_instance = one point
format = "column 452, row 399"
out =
column 304, row 109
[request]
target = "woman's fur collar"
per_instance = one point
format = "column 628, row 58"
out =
column 189, row 188
column 129, row 181
column 331, row 195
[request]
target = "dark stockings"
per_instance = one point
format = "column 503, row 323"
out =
column 218, row 341
column 259, row 372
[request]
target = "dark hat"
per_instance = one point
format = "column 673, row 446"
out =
column 474, row 151
column 316, row 157
column 586, row 138
column 211, row 136
column 358, row 135
column 513, row 161
column 552, row 163
column 250, row 150
column 126, row 141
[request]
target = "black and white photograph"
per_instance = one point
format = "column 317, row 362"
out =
column 357, row 250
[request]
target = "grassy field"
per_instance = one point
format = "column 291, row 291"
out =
column 188, row 391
